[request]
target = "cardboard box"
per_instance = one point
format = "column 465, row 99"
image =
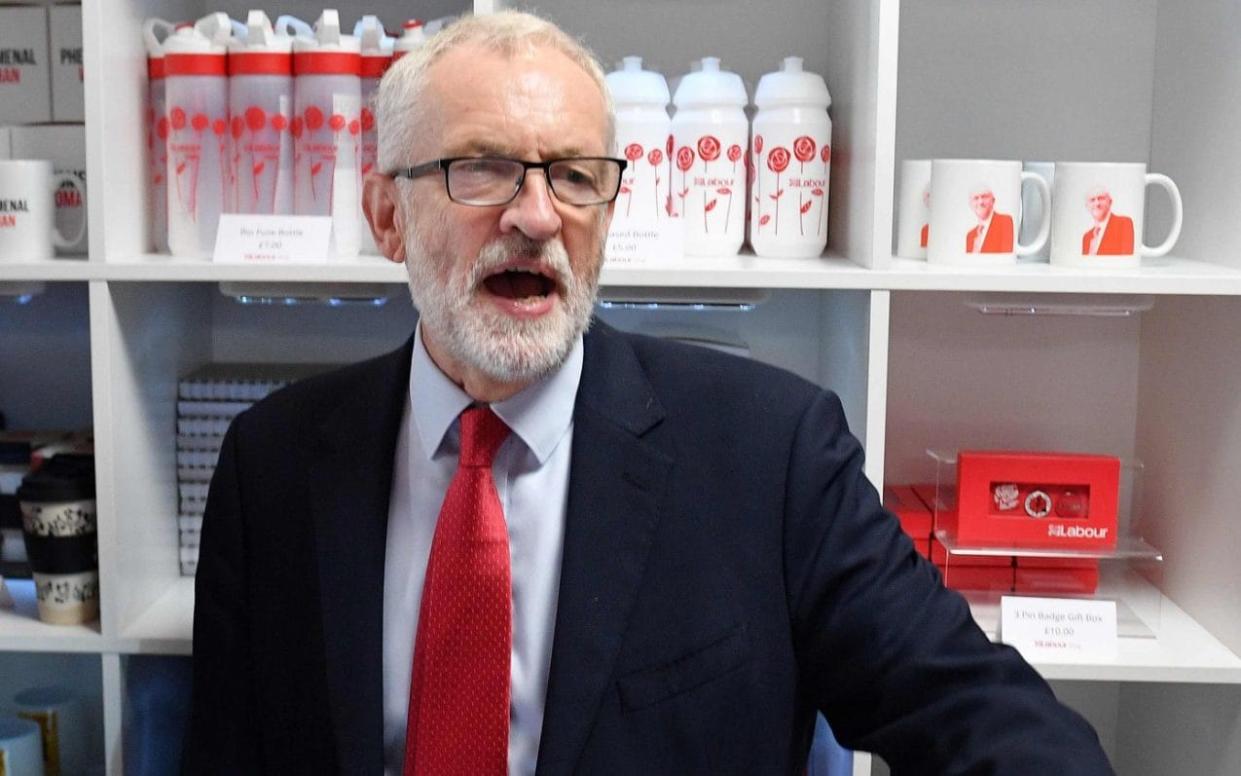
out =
column 914, row 516
column 1025, row 499
column 25, row 89
column 68, row 91
column 993, row 579
column 65, row 146
column 939, row 555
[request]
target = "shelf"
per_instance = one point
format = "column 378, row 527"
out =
column 1181, row 650
column 1168, row 275
column 21, row 630
column 1127, row 548
column 49, row 269
column 166, row 627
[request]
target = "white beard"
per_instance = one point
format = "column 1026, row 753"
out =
column 476, row 334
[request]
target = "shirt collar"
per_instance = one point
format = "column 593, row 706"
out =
column 540, row 414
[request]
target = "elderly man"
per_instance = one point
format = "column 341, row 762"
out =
column 518, row 545
column 1112, row 233
column 994, row 232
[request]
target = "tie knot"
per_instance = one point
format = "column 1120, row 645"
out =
column 482, row 433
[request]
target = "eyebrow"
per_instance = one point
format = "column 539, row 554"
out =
column 492, row 148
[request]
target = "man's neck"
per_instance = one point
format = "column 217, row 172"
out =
column 478, row 386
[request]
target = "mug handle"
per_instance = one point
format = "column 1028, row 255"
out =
column 58, row 239
column 1044, row 227
column 1177, row 216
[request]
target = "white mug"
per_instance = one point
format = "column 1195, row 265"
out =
column 59, row 713
column 976, row 212
column 28, row 210
column 1099, row 214
column 914, row 213
column 21, row 747
column 1032, row 206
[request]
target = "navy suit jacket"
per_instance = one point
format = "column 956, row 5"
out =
column 727, row 572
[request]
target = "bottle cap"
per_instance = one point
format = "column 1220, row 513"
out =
column 791, row 85
column 631, row 85
column 413, row 35
column 261, row 50
column 376, row 46
column 710, row 86
column 199, row 49
column 328, row 52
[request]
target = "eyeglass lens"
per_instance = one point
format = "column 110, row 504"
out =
column 495, row 181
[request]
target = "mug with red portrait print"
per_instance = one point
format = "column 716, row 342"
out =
column 976, row 212
column 708, row 174
column 1099, row 215
column 914, row 209
column 792, row 152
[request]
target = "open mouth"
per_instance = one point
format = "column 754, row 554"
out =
column 520, row 285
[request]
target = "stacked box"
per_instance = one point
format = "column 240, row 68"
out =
column 25, row 93
column 207, row 401
column 995, row 573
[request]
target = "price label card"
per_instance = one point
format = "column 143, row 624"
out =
column 637, row 245
column 247, row 239
column 1058, row 630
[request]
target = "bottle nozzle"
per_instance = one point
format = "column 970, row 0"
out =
column 710, row 64
column 327, row 27
column 792, row 64
column 631, row 64
column 259, row 31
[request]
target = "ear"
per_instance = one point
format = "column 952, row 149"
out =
column 382, row 208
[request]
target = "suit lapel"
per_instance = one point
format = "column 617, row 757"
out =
column 616, row 483
column 350, row 482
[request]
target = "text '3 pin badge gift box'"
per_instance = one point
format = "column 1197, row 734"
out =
column 1025, row 499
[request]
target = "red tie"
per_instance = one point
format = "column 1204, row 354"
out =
column 459, row 691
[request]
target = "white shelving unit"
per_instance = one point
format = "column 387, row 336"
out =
column 1133, row 80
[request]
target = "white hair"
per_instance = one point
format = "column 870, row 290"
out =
column 398, row 114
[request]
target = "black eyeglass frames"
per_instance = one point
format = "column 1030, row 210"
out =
column 489, row 181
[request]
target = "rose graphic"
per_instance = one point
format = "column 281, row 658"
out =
column 178, row 118
column 656, row 158
column 219, row 128
column 161, row 128
column 724, row 190
column 758, row 144
column 279, row 122
column 803, row 149
column 734, row 153
column 668, row 146
column 778, row 162
column 633, row 152
column 295, row 127
column 314, row 118
column 368, row 120
column 826, row 153
column 708, row 148
column 198, row 123
column 822, row 211
column 685, row 160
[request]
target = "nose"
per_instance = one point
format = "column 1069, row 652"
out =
column 532, row 212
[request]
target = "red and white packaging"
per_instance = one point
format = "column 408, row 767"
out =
column 1025, row 499
column 25, row 75
column 65, row 146
column 376, row 52
column 198, row 173
column 68, row 91
column 154, row 33
column 327, row 129
column 708, row 175
column 915, row 518
column 792, row 160
column 260, row 100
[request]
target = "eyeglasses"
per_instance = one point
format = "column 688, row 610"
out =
column 489, row 181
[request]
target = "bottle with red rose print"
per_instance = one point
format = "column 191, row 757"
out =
column 376, row 59
column 792, row 159
column 642, row 132
column 196, row 93
column 260, row 99
column 327, row 129
column 709, row 134
column 154, row 33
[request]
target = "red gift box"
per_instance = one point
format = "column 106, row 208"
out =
column 1056, row 581
column 1035, row 500
column 994, row 578
column 914, row 516
column 940, row 557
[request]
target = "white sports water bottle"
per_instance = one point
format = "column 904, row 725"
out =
column 709, row 134
column 643, row 136
column 413, row 35
column 792, row 158
column 260, row 98
column 196, row 91
column 327, row 128
column 154, row 33
column 376, row 59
